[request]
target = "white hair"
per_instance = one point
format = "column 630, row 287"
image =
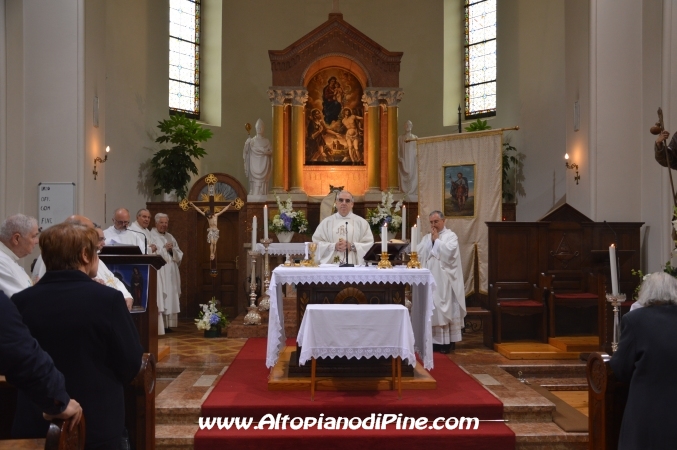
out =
column 159, row 216
column 17, row 223
column 346, row 192
column 439, row 213
column 658, row 288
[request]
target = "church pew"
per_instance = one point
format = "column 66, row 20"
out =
column 59, row 437
column 139, row 413
column 606, row 401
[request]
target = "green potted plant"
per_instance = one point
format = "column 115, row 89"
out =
column 172, row 166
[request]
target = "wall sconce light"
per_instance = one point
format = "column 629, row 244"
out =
column 572, row 166
column 98, row 159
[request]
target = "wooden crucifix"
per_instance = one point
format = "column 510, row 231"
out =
column 211, row 209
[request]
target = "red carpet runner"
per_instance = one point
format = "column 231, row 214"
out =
column 243, row 392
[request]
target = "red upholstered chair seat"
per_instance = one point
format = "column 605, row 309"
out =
column 576, row 296
column 521, row 304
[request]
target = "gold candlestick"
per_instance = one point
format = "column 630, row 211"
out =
column 384, row 263
column 310, row 262
column 252, row 317
column 413, row 261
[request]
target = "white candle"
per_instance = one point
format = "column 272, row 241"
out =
column 254, row 234
column 306, row 249
column 265, row 222
column 413, row 239
column 404, row 222
column 384, row 239
column 418, row 223
column 614, row 270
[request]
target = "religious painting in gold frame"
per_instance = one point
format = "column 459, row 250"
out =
column 458, row 187
column 334, row 119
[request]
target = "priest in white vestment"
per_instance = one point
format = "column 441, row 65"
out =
column 18, row 236
column 103, row 273
column 169, row 280
column 119, row 234
column 140, row 225
column 343, row 231
column 438, row 251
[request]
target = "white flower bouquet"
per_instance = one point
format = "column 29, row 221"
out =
column 288, row 219
column 210, row 317
column 386, row 212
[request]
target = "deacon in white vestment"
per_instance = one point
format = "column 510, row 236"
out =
column 18, row 236
column 341, row 231
column 119, row 234
column 103, row 273
column 169, row 280
column 439, row 252
column 141, row 225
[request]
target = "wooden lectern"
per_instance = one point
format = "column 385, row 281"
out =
column 140, row 395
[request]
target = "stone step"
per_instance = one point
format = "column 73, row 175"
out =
column 175, row 437
column 533, row 436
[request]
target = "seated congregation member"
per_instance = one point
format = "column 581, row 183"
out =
column 647, row 359
column 169, row 280
column 438, row 251
column 18, row 236
column 343, row 231
column 119, row 234
column 86, row 329
column 141, row 225
column 27, row 367
column 103, row 275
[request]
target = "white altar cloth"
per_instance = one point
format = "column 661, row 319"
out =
column 356, row 331
column 292, row 248
column 422, row 286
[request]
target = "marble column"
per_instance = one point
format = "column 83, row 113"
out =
column 299, row 97
column 392, row 99
column 277, row 98
column 373, row 136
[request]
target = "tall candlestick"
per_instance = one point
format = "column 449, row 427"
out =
column 614, row 270
column 404, row 222
column 384, row 239
column 254, row 234
column 265, row 221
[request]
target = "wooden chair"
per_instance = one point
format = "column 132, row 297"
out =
column 606, row 402
column 533, row 306
column 585, row 299
column 140, row 405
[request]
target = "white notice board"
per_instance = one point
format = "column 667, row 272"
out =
column 56, row 203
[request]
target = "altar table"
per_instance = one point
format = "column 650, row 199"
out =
column 286, row 249
column 422, row 286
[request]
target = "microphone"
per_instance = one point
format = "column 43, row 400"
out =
column 346, row 263
column 145, row 239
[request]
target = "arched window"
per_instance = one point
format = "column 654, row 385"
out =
column 480, row 58
column 184, row 57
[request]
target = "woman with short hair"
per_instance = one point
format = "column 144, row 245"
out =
column 647, row 359
column 87, row 330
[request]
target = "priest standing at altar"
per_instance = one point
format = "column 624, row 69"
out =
column 343, row 231
column 438, row 251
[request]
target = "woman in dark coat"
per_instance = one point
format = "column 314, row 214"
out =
column 86, row 329
column 647, row 359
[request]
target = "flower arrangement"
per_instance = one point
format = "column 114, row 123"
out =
column 288, row 219
column 672, row 271
column 386, row 212
column 210, row 316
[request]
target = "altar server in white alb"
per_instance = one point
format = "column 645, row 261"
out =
column 439, row 252
column 119, row 234
column 343, row 230
column 140, row 225
column 18, row 236
column 169, row 280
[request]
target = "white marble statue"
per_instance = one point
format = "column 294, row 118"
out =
column 407, row 164
column 257, row 156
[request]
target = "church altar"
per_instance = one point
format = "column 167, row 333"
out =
column 283, row 249
column 422, row 285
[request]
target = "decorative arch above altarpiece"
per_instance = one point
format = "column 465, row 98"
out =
column 366, row 163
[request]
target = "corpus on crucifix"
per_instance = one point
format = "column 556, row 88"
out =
column 213, row 228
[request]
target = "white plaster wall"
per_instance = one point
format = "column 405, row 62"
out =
column 531, row 94
column 577, row 85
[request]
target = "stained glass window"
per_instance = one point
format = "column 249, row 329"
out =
column 480, row 58
column 184, row 57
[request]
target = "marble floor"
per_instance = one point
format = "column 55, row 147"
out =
column 195, row 364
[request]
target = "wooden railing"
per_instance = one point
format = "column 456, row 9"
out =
column 606, row 401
